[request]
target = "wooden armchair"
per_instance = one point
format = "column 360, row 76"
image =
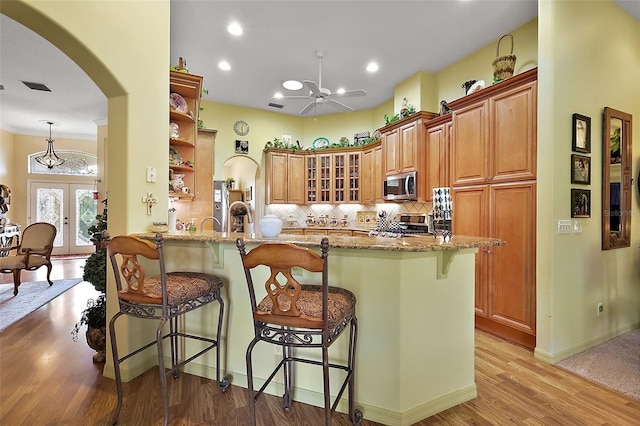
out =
column 32, row 251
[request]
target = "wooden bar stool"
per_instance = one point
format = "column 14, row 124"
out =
column 165, row 298
column 293, row 315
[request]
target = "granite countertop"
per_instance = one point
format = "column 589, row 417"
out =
column 410, row 243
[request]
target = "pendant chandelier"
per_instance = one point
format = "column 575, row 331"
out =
column 50, row 159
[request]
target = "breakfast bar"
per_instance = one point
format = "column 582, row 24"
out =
column 415, row 349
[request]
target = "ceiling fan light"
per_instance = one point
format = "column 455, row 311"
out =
column 340, row 91
column 292, row 84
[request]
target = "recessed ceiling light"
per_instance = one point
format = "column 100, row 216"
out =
column 235, row 29
column 340, row 91
column 372, row 67
column 277, row 95
column 292, row 85
column 224, row 65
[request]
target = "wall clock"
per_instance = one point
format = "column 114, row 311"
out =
column 241, row 128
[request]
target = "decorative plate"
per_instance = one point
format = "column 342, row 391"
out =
column 377, row 135
column 320, row 143
column 177, row 103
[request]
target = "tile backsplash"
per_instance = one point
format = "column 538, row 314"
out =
column 300, row 213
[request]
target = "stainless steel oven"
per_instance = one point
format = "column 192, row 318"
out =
column 401, row 187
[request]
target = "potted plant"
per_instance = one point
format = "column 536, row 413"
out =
column 95, row 272
column 229, row 183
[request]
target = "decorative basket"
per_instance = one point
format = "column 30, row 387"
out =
column 503, row 66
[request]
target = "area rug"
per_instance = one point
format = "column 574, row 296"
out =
column 614, row 364
column 31, row 296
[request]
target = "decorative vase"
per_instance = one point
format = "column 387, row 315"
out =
column 97, row 340
column 270, row 226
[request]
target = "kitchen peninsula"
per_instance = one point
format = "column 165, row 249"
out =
column 415, row 350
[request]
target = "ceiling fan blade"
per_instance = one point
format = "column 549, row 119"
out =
column 338, row 105
column 311, row 85
column 291, row 97
column 349, row 94
column 308, row 108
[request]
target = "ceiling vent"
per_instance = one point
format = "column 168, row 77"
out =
column 36, row 86
column 271, row 104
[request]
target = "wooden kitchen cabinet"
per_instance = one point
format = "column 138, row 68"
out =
column 391, row 152
column 494, row 133
column 371, row 174
column 182, row 149
column 403, row 148
column 512, row 133
column 295, row 179
column 436, row 173
column 333, row 178
column 493, row 179
column 469, row 145
column 346, row 177
column 284, row 177
column 505, row 302
column 402, row 143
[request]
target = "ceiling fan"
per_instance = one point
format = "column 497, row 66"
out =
column 319, row 95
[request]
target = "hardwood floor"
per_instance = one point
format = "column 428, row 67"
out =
column 47, row 379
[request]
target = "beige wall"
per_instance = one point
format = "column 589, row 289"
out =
column 593, row 65
column 7, row 163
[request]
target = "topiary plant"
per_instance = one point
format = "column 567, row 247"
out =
column 95, row 272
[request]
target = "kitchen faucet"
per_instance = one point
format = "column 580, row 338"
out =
column 250, row 222
column 209, row 218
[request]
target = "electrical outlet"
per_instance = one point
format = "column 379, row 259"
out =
column 564, row 227
column 600, row 308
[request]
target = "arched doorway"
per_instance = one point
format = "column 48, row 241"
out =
column 245, row 171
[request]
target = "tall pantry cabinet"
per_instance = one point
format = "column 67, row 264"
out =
column 493, row 179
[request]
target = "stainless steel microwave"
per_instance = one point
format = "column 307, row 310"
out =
column 401, row 187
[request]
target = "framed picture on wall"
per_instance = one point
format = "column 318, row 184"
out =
column 580, row 169
column 242, row 147
column 580, row 203
column 581, row 133
column 248, row 193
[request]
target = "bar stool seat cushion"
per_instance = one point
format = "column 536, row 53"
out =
column 341, row 303
column 182, row 287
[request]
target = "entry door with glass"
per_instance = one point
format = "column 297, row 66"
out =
column 70, row 208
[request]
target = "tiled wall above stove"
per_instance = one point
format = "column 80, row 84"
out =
column 300, row 213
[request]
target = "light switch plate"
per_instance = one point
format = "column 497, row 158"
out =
column 564, row 227
column 151, row 174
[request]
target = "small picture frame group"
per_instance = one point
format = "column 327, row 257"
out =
column 580, row 202
column 580, row 165
column 581, row 134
